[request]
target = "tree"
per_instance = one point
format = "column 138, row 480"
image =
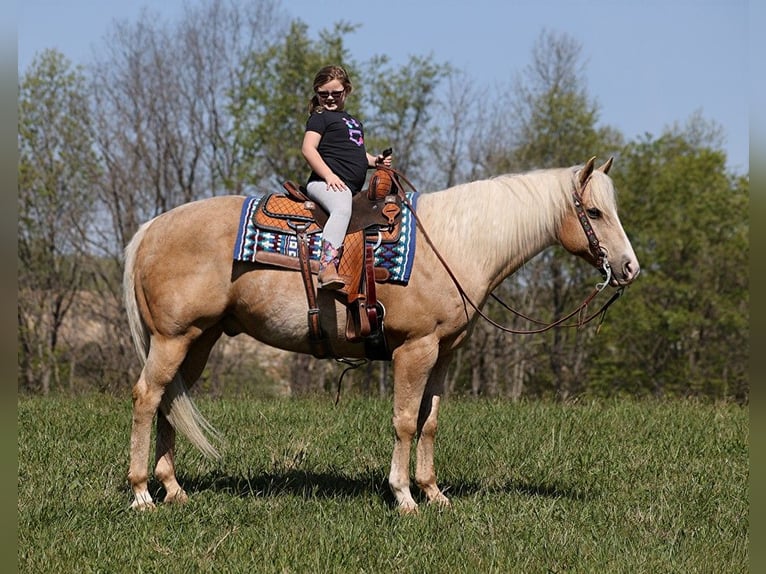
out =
column 400, row 105
column 550, row 121
column 270, row 107
column 449, row 148
column 57, row 170
column 270, row 104
column 159, row 96
column 162, row 94
column 216, row 103
column 685, row 329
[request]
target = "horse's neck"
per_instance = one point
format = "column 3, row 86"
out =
column 488, row 229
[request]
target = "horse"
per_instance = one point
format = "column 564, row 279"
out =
column 182, row 291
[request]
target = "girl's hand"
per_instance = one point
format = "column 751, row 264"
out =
column 383, row 160
column 334, row 183
column 380, row 159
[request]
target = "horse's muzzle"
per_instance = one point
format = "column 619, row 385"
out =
column 625, row 273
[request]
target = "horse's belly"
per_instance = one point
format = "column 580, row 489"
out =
column 271, row 306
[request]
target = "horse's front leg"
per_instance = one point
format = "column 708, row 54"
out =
column 412, row 365
column 425, row 474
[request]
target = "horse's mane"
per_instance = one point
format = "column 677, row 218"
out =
column 519, row 211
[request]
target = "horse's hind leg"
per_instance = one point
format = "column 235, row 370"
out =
column 164, row 360
column 191, row 369
column 164, row 468
column 425, row 474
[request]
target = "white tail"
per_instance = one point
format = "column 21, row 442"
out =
column 176, row 405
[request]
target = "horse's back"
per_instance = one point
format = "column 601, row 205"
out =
column 196, row 230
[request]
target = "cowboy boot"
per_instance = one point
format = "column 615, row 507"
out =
column 328, row 277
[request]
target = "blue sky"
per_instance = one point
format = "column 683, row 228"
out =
column 649, row 64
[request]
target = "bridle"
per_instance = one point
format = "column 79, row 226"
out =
column 599, row 254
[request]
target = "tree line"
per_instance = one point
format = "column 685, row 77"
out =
column 215, row 103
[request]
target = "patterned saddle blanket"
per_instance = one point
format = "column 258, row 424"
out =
column 394, row 253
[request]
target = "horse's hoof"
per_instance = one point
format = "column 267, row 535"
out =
column 441, row 501
column 143, row 503
column 177, row 497
column 408, row 508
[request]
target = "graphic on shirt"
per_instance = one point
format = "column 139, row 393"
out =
column 354, row 131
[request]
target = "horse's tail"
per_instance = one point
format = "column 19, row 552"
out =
column 138, row 331
column 176, row 405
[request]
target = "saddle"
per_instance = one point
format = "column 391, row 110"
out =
column 375, row 219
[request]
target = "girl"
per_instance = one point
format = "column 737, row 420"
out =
column 333, row 146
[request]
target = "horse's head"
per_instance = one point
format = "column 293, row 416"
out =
column 592, row 229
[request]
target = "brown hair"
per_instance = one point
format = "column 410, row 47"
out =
column 328, row 74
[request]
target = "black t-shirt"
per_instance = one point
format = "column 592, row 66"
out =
column 341, row 147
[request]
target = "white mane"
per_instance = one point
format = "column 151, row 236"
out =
column 516, row 213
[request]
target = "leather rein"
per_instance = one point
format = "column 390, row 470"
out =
column 602, row 263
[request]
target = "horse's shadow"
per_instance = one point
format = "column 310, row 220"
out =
column 305, row 484
column 321, row 485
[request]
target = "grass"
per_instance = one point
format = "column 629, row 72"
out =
column 612, row 486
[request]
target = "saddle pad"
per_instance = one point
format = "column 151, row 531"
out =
column 395, row 257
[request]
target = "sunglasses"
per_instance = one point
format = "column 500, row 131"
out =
column 335, row 94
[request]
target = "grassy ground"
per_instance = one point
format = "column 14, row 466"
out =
column 536, row 487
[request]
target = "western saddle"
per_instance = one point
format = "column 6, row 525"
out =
column 375, row 219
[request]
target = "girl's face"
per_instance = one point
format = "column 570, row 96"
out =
column 332, row 95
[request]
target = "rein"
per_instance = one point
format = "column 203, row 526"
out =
column 593, row 245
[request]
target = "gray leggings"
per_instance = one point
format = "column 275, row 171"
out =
column 338, row 205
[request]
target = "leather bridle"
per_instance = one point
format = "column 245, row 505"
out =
column 599, row 254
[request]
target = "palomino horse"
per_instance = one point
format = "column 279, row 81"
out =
column 182, row 291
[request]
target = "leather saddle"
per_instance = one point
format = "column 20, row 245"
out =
column 375, row 219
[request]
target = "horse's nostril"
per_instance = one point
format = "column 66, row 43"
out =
column 630, row 270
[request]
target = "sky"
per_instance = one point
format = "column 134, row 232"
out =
column 649, row 64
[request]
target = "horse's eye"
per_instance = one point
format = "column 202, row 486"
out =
column 593, row 213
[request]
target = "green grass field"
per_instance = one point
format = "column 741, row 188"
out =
column 609, row 486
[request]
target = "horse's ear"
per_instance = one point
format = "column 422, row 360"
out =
column 587, row 170
column 607, row 165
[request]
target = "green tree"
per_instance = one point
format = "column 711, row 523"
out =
column 57, row 171
column 400, row 104
column 394, row 102
column 553, row 122
column 153, row 102
column 683, row 329
column 271, row 102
